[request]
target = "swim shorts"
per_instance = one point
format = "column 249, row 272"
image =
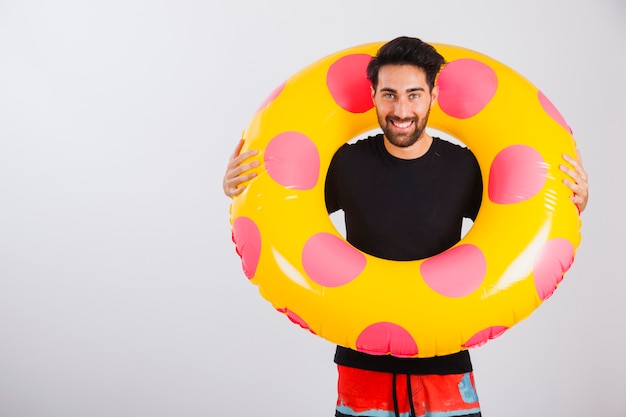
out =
column 366, row 393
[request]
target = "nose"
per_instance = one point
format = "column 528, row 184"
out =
column 402, row 108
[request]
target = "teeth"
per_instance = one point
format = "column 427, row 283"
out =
column 402, row 125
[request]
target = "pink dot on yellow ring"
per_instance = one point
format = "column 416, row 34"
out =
column 387, row 338
column 456, row 272
column 484, row 336
column 517, row 173
column 295, row 319
column 247, row 239
column 331, row 261
column 292, row 160
column 347, row 82
column 553, row 112
column 466, row 86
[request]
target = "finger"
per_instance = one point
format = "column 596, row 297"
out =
column 576, row 164
column 236, row 165
column 238, row 170
column 240, row 179
column 571, row 160
column 578, row 174
column 237, row 190
column 239, row 157
column 237, row 149
column 572, row 186
column 245, row 155
column 579, row 188
column 580, row 203
column 571, row 173
column 232, row 184
column 236, row 185
column 580, row 193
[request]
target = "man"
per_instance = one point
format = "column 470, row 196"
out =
column 404, row 195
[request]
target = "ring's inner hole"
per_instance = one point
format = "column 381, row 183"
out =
column 337, row 217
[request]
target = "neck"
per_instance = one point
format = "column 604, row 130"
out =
column 417, row 150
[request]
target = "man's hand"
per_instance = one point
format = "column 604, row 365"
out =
column 579, row 181
column 237, row 171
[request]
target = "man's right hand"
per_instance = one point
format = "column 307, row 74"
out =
column 237, row 171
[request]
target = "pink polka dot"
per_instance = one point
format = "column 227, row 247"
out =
column 247, row 239
column 295, row 319
column 292, row 160
column 466, row 86
column 554, row 259
column 456, row 272
column 272, row 96
column 348, row 84
column 386, row 338
column 553, row 112
column 331, row 261
column 484, row 336
column 517, row 173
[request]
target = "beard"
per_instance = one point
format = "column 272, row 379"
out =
column 403, row 139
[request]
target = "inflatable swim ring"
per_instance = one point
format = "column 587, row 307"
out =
column 510, row 261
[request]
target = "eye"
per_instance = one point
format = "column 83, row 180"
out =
column 414, row 96
column 388, row 96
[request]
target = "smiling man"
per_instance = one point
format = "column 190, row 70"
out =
column 404, row 195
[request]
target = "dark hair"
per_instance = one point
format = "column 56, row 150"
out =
column 407, row 51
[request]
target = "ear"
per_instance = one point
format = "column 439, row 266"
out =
column 434, row 94
column 373, row 92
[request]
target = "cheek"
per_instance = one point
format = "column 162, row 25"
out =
column 422, row 110
column 383, row 110
column 428, row 105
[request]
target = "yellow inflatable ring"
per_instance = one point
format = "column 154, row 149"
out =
column 512, row 259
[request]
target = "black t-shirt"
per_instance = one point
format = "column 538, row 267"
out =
column 402, row 209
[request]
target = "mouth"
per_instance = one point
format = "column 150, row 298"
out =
column 402, row 124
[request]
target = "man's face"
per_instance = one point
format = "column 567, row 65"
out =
column 403, row 100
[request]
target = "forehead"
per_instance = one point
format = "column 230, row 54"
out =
column 401, row 77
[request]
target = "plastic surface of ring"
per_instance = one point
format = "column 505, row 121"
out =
column 511, row 260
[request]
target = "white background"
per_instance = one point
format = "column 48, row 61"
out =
column 120, row 290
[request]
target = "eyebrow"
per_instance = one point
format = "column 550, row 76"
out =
column 408, row 90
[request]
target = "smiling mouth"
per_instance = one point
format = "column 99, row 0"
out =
column 402, row 124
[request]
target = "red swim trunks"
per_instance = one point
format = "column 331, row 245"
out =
column 379, row 394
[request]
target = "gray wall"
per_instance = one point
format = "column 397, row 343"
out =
column 120, row 290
